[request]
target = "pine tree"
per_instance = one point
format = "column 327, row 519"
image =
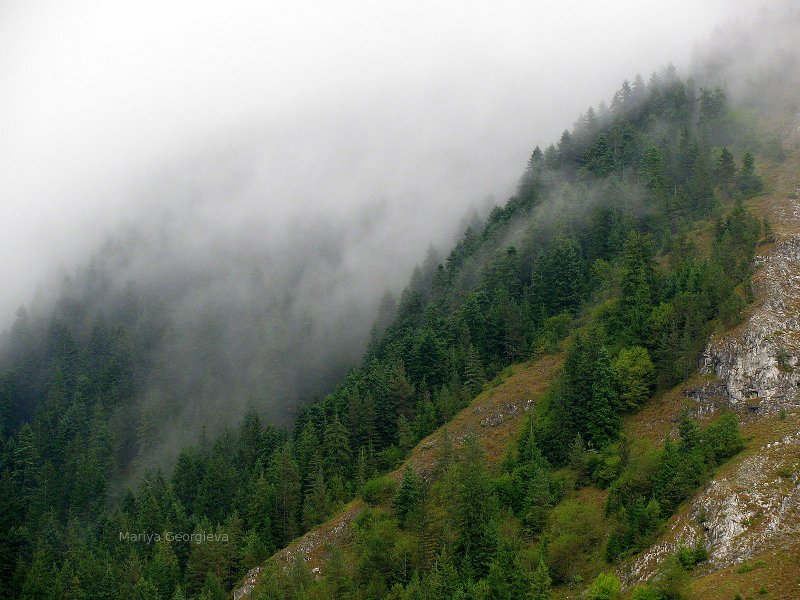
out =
column 285, row 476
column 259, row 507
column 144, row 590
column 308, row 454
column 444, row 582
column 425, row 419
column 363, row 471
column 638, row 287
column 406, row 437
column 603, row 422
column 634, row 375
column 337, row 574
column 203, row 559
column 557, row 276
column 212, row 588
column 725, row 172
column 748, row 182
column 409, row 499
column 476, row 511
column 444, row 459
column 254, row 550
column 316, row 504
column 474, row 375
column 361, row 420
column 215, row 491
column 541, row 584
column 599, row 158
column 163, row 570
column 337, row 449
column 507, row 578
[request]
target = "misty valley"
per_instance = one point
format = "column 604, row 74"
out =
column 588, row 390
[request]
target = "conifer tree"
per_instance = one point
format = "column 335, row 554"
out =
column 748, row 182
column 444, row 582
column 424, row 420
column 316, row 503
column 725, row 172
column 476, row 511
column 603, row 420
column 163, row 570
column 541, row 584
column 406, row 437
column 409, row 499
column 337, row 449
column 474, row 375
column 286, row 478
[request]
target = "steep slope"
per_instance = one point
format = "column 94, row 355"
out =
column 494, row 417
column 749, row 511
column 752, row 505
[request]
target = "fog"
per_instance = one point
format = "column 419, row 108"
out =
column 427, row 109
column 272, row 168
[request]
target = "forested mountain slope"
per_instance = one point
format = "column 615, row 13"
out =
column 542, row 343
column 749, row 512
column 619, row 479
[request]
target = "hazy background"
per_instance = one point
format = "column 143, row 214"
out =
column 269, row 169
column 291, row 108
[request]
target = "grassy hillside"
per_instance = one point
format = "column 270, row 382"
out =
column 548, row 344
column 496, row 417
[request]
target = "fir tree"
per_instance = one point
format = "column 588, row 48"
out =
column 476, row 511
column 316, row 504
column 474, row 376
column 286, row 478
column 541, row 584
column 410, row 497
column 725, row 172
column 337, row 449
column 748, row 182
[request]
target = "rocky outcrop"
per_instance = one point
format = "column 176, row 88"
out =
column 744, row 511
column 753, row 504
column 758, row 362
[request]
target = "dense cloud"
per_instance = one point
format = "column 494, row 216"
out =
column 269, row 170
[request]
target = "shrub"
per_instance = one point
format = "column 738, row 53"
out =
column 553, row 331
column 605, row 587
column 645, row 593
column 722, row 439
column 745, row 567
column 378, row 490
column 689, row 557
column 730, row 311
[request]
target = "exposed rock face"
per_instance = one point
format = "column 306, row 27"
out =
column 753, row 504
column 758, row 362
column 248, row 585
column 752, row 508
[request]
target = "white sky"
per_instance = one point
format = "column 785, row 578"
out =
column 427, row 105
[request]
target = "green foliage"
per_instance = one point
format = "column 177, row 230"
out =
column 553, row 331
column 585, row 402
column 475, row 511
column 645, row 592
column 730, row 311
column 75, row 418
column 653, row 484
column 376, row 491
column 606, row 586
column 689, row 557
column 634, row 375
column 748, row 182
column 408, row 501
column 541, row 584
column 576, row 532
